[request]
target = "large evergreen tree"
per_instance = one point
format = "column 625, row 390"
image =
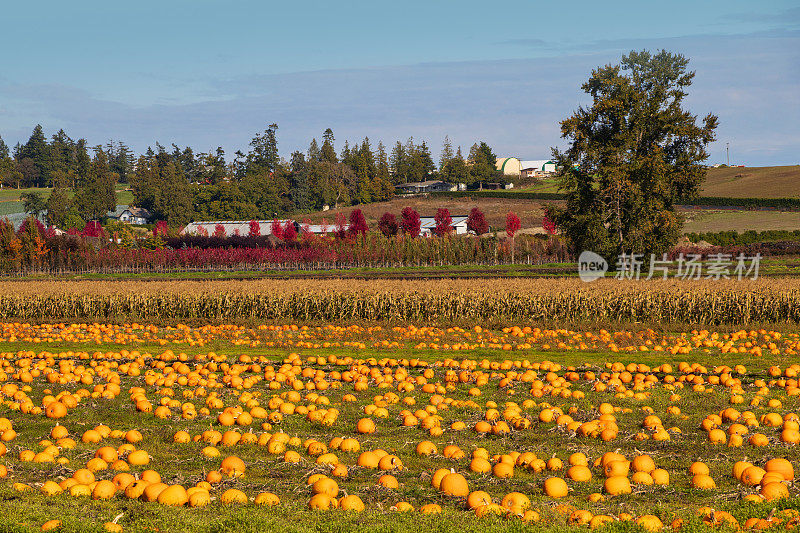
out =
column 57, row 207
column 328, row 151
column 82, row 164
column 363, row 165
column 633, row 154
column 212, row 169
column 9, row 175
column 264, row 151
column 383, row 180
column 482, row 164
column 38, row 151
column 62, row 158
column 398, row 163
column 145, row 182
column 447, row 152
column 173, row 200
column 300, row 180
column 96, row 196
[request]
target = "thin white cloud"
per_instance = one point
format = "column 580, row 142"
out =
column 752, row 82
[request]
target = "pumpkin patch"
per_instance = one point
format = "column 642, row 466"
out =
column 371, row 419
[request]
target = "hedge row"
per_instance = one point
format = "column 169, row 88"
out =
column 734, row 238
column 705, row 201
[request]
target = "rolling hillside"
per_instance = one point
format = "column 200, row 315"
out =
column 753, row 182
column 529, row 211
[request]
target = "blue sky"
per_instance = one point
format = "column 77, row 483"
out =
column 211, row 72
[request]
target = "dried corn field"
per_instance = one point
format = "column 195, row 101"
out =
column 491, row 300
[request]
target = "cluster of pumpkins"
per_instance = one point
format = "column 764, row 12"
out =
column 754, row 342
column 263, row 392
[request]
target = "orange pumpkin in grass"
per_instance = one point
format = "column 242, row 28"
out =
column 478, row 498
column 351, row 503
column 366, row 426
column 455, row 485
column 616, row 485
column 326, row 486
column 774, row 491
column 752, row 476
column 104, row 490
column 703, row 482
column 321, row 502
column 55, row 410
column 267, row 499
column 555, row 487
column 153, row 490
column 781, row 466
column 174, row 496
column 233, row 496
column 515, row 500
column 232, row 466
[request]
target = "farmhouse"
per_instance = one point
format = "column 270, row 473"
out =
column 130, row 215
column 538, row 168
column 428, row 224
column 425, row 186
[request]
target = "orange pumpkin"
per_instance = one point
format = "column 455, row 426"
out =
column 555, row 487
column 174, row 496
column 455, row 485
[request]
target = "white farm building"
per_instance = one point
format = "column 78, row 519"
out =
column 242, row 227
column 231, row 227
column 428, row 224
column 538, row 168
column 509, row 166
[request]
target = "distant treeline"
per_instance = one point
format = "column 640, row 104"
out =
column 180, row 184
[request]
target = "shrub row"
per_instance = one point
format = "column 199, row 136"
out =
column 704, row 201
column 734, row 238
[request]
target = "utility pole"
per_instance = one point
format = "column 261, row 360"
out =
column 727, row 154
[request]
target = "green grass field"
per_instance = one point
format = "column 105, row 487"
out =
column 10, row 198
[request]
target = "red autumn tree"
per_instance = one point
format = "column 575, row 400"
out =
column 219, row 231
column 93, row 229
column 305, row 230
column 277, row 229
column 255, row 229
column 512, row 224
column 340, row 231
column 443, row 221
column 548, row 225
column 36, row 223
column 358, row 224
column 289, row 232
column 476, row 222
column 388, row 225
column 410, row 222
column 161, row 228
column 512, row 227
